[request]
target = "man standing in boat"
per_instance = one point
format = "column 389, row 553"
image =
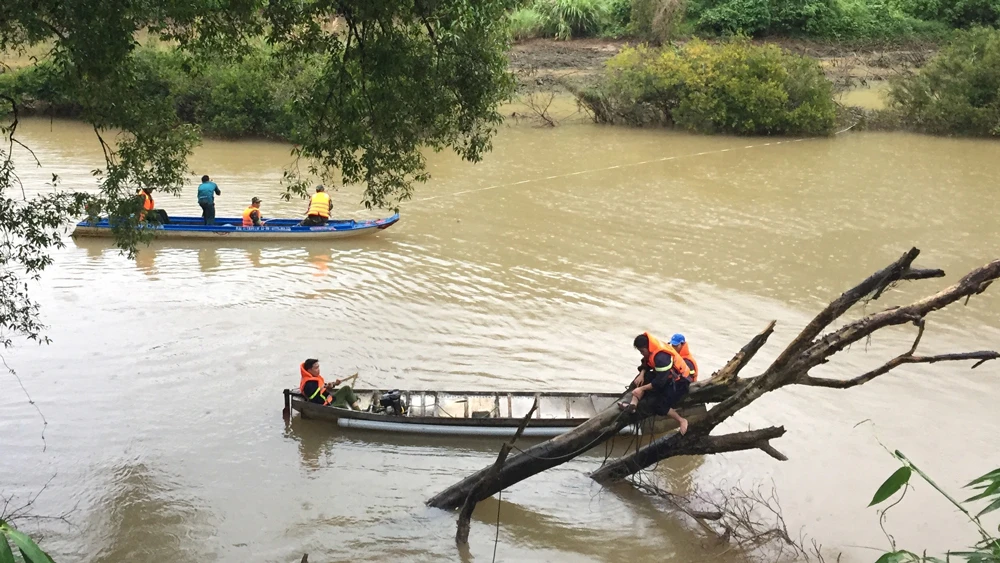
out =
column 319, row 209
column 206, row 199
column 663, row 379
column 315, row 390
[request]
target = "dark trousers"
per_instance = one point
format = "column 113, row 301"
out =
column 207, row 212
column 314, row 221
column 661, row 401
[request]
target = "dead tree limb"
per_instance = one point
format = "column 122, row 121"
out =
column 675, row 444
column 809, row 349
column 473, row 498
column 602, row 426
column 538, row 458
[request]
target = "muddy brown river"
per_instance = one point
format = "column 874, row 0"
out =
column 532, row 270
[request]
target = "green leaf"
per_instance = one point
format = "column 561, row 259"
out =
column 993, row 506
column 990, row 490
column 901, row 556
column 6, row 556
column 29, row 549
column 992, row 475
column 891, row 485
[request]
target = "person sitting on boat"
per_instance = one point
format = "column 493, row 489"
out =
column 663, row 379
column 146, row 198
column 315, row 390
column 677, row 342
column 251, row 215
column 319, row 209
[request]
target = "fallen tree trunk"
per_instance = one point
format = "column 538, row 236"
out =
column 464, row 517
column 565, row 447
column 808, row 350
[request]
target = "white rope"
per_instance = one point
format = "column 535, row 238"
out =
column 640, row 163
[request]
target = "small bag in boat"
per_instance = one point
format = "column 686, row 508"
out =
column 393, row 403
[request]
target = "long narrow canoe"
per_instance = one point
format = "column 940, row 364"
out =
column 273, row 229
column 468, row 413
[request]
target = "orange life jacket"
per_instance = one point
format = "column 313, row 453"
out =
column 685, row 353
column 319, row 205
column 147, row 203
column 247, row 219
column 320, row 384
column 678, row 366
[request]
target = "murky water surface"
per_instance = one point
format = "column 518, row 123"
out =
column 161, row 387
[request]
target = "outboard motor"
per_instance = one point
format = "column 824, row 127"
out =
column 393, row 402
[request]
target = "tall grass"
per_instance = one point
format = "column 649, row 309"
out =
column 564, row 19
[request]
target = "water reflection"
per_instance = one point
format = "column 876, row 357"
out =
column 146, row 514
column 208, row 258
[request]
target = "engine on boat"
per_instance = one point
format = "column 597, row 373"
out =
column 393, row 403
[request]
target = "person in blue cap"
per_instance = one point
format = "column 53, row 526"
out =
column 679, row 343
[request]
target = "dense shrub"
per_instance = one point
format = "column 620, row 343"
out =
column 735, row 87
column 656, row 20
column 255, row 97
column 957, row 92
column 956, row 13
column 827, row 19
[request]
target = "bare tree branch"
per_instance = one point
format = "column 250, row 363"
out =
column 677, row 445
column 907, row 358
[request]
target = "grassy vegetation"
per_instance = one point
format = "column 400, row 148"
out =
column 829, row 20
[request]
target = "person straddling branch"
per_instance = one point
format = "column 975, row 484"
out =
column 251, row 215
column 679, row 343
column 315, row 390
column 663, row 379
column 206, row 199
column 319, row 209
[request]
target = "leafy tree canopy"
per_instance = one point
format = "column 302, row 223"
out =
column 394, row 76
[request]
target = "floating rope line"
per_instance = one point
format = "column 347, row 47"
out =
column 631, row 164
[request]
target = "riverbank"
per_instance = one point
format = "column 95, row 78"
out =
column 549, row 64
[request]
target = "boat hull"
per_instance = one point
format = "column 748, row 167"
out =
column 231, row 228
column 473, row 413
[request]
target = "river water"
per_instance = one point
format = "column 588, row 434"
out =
column 161, row 386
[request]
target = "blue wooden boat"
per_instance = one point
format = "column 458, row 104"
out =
column 273, row 229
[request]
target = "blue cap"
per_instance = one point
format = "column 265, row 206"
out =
column 677, row 339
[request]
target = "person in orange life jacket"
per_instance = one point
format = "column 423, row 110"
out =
column 678, row 343
column 318, row 212
column 146, row 199
column 315, row 390
column 663, row 379
column 251, row 215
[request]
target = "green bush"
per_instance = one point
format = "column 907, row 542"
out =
column 656, row 20
column 526, row 23
column 957, row 92
column 735, row 87
column 254, row 97
column 955, row 13
column 827, row 19
column 565, row 19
